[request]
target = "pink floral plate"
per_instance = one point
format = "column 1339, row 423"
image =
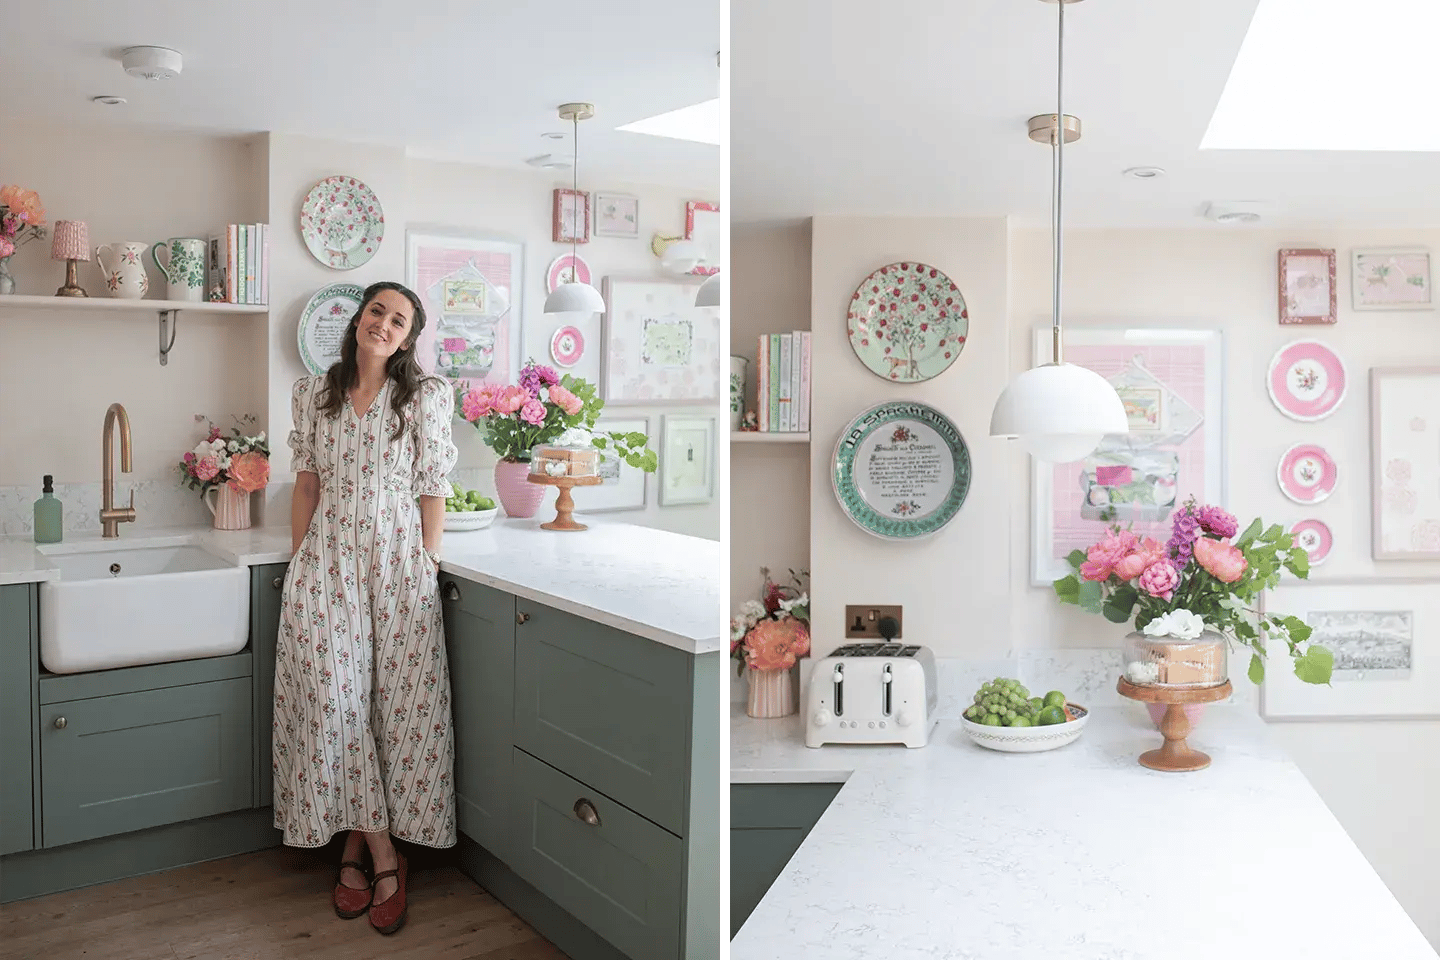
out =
column 1314, row 538
column 907, row 322
column 1306, row 380
column 566, row 268
column 1306, row 473
column 567, row 346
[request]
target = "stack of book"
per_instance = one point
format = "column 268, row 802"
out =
column 239, row 269
column 782, row 378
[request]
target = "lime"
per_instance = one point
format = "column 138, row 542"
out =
column 1051, row 715
column 1054, row 699
column 1021, row 722
column 1036, row 703
column 991, row 720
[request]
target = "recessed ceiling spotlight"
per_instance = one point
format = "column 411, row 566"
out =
column 548, row 161
column 1144, row 173
column 152, row 63
column 108, row 101
column 1234, row 211
column 552, row 135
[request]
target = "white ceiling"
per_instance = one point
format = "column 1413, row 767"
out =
column 918, row 108
column 467, row 80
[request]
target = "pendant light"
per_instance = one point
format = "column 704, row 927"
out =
column 1057, row 411
column 709, row 293
column 575, row 297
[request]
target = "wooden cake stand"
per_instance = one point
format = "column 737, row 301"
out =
column 564, row 503
column 1175, row 755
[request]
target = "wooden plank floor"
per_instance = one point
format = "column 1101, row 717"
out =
column 270, row 905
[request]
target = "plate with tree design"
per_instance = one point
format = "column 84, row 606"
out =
column 901, row 470
column 907, row 322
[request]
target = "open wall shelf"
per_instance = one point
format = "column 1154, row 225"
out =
column 168, row 311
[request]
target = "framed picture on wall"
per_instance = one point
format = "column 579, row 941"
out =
column 704, row 225
column 471, row 286
column 572, row 216
column 659, row 347
column 1172, row 385
column 1391, row 278
column 687, row 460
column 616, row 215
column 1385, row 636
column 1405, row 463
column 1307, row 286
column 624, row 486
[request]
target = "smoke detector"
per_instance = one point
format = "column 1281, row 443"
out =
column 1234, row 212
column 549, row 161
column 152, row 63
column 1144, row 173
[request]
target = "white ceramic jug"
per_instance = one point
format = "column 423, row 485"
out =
column 123, row 269
column 183, row 269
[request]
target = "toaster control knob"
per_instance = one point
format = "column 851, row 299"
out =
column 904, row 719
column 821, row 717
column 839, row 675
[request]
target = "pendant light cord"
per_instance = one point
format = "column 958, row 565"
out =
column 1059, row 173
column 574, row 194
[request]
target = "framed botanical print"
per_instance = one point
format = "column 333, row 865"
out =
column 572, row 216
column 659, row 347
column 1405, row 463
column 1307, row 286
column 616, row 215
column 623, row 486
column 687, row 460
column 1391, row 278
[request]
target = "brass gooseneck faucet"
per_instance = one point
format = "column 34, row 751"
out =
column 110, row 517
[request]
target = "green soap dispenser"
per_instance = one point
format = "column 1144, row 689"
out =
column 49, row 515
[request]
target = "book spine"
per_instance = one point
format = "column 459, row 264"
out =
column 232, row 263
column 772, row 374
column 254, row 263
column 762, row 385
column 214, row 265
column 787, row 354
column 265, row 263
column 805, row 381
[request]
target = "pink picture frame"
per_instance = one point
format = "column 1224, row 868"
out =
column 1306, row 285
column 571, row 217
column 699, row 225
column 1404, row 463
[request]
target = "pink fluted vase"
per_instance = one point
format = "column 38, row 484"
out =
column 231, row 509
column 518, row 496
column 773, row 693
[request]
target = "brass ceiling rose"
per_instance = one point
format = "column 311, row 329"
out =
column 1042, row 128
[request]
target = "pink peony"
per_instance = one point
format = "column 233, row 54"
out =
column 250, row 471
column 6, row 247
column 548, row 376
column 566, row 400
column 1145, row 553
column 1218, row 522
column 207, row 468
column 774, row 644
column 1101, row 559
column 1221, row 560
column 510, row 399
column 477, row 403
column 24, row 204
column 533, row 412
column 1160, row 578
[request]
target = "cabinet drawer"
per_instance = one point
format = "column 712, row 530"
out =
column 113, row 764
column 621, row 876
column 607, row 707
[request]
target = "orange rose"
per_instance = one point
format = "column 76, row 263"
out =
column 250, row 471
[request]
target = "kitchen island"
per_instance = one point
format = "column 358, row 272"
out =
column 953, row 851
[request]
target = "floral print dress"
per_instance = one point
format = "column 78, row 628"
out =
column 362, row 737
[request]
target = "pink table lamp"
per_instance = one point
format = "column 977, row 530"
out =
column 71, row 243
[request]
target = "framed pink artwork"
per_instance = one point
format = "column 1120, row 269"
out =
column 704, row 226
column 1405, row 463
column 1172, row 385
column 572, row 216
column 1307, row 286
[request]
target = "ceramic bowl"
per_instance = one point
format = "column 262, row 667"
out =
column 470, row 520
column 1029, row 739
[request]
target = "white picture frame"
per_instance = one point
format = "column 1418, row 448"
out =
column 1404, row 463
column 1391, row 278
column 1165, row 406
column 687, row 459
column 616, row 215
column 658, row 347
column 1385, row 634
column 625, row 487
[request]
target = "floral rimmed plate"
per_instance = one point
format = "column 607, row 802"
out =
column 567, row 346
column 907, row 322
column 342, row 223
column 1306, row 380
column 566, row 268
column 901, row 470
column 1314, row 538
column 1307, row 474
column 323, row 323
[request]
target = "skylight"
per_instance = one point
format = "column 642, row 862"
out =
column 1332, row 75
column 699, row 122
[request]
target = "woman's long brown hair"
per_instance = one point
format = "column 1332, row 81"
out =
column 402, row 367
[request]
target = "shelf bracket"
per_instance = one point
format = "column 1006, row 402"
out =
column 169, row 319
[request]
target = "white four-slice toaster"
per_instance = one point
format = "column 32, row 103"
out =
column 872, row 693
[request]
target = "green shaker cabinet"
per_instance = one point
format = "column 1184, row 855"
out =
column 267, row 583
column 768, row 822
column 19, row 648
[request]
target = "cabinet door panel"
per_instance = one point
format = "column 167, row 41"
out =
column 266, row 587
column 768, row 822
column 17, row 718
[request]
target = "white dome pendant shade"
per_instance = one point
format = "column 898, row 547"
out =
column 575, row 297
column 709, row 293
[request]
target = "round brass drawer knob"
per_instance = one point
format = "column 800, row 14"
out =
column 522, row 618
column 59, row 723
column 585, row 810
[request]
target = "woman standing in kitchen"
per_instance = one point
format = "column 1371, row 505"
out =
column 362, row 737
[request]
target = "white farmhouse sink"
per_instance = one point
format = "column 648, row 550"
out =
column 123, row 606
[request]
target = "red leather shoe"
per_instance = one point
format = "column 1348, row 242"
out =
column 389, row 915
column 350, row 902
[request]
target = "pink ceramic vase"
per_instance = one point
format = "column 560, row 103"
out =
column 231, row 509
column 518, row 496
column 773, row 693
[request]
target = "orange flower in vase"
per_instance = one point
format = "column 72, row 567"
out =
column 250, row 471
column 776, row 644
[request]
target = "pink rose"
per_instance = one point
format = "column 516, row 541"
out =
column 207, row 469
column 1160, row 579
column 1144, row 554
column 1222, row 561
column 774, row 644
column 566, row 400
column 1101, row 559
column 6, row 247
column 510, row 399
column 250, row 471
column 533, row 412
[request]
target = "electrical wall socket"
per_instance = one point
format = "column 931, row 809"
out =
column 862, row 620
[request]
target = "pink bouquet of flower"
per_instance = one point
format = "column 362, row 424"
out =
column 240, row 460
column 1198, row 579
column 22, row 218
column 773, row 632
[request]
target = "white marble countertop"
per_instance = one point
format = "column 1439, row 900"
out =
column 953, row 851
column 659, row 585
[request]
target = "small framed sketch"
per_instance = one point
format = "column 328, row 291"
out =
column 572, row 216
column 687, row 460
column 1385, row 636
column 1391, row 278
column 1405, row 463
column 616, row 215
column 1307, row 286
column 624, row 486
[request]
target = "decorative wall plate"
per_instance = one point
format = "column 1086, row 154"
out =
column 907, row 322
column 567, row 346
column 901, row 470
column 566, row 268
column 1314, row 538
column 1306, row 380
column 341, row 222
column 323, row 323
column 1307, row 474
